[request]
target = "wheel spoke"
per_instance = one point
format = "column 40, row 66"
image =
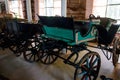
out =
column 116, row 51
column 46, row 58
column 37, row 55
column 81, row 74
column 87, row 63
column 44, row 55
column 87, row 78
column 49, row 59
column 83, row 77
column 31, row 45
column 91, row 60
column 84, row 67
column 95, row 61
column 28, row 54
column 34, row 57
column 30, row 57
column 95, row 66
column 52, row 57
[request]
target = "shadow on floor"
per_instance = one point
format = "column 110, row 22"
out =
column 3, row 78
column 105, row 78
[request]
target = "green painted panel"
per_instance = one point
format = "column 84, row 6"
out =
column 68, row 35
column 64, row 34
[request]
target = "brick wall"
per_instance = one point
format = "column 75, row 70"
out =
column 79, row 9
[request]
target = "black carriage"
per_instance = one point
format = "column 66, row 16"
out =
column 107, row 37
column 19, row 36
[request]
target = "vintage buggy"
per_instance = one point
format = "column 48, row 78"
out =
column 62, row 33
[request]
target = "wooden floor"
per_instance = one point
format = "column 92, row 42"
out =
column 16, row 68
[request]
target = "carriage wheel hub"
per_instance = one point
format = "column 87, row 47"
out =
column 34, row 51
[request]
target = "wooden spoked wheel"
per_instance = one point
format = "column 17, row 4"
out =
column 106, row 52
column 88, row 67
column 31, row 51
column 47, row 52
column 116, row 51
column 16, row 49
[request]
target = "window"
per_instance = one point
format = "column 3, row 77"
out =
column 16, row 8
column 113, row 1
column 107, row 8
column 99, row 7
column 50, row 7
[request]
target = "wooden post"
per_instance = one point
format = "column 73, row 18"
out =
column 7, row 6
column 29, row 13
column 63, row 7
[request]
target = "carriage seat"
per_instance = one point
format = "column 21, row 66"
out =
column 22, row 30
column 28, row 30
column 105, row 37
column 60, row 28
column 83, row 27
column 65, row 29
column 107, row 22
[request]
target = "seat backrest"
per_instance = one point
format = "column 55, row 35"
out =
column 107, row 22
column 55, row 21
column 104, row 36
column 58, row 27
column 12, row 27
column 112, row 31
column 104, row 22
column 83, row 27
column 30, row 29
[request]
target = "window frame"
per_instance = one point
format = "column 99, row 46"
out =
column 19, row 8
column 45, row 8
column 106, row 10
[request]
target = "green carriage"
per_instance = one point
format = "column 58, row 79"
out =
column 62, row 34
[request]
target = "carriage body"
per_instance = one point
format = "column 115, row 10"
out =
column 22, row 30
column 67, row 30
column 18, row 35
column 107, row 38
